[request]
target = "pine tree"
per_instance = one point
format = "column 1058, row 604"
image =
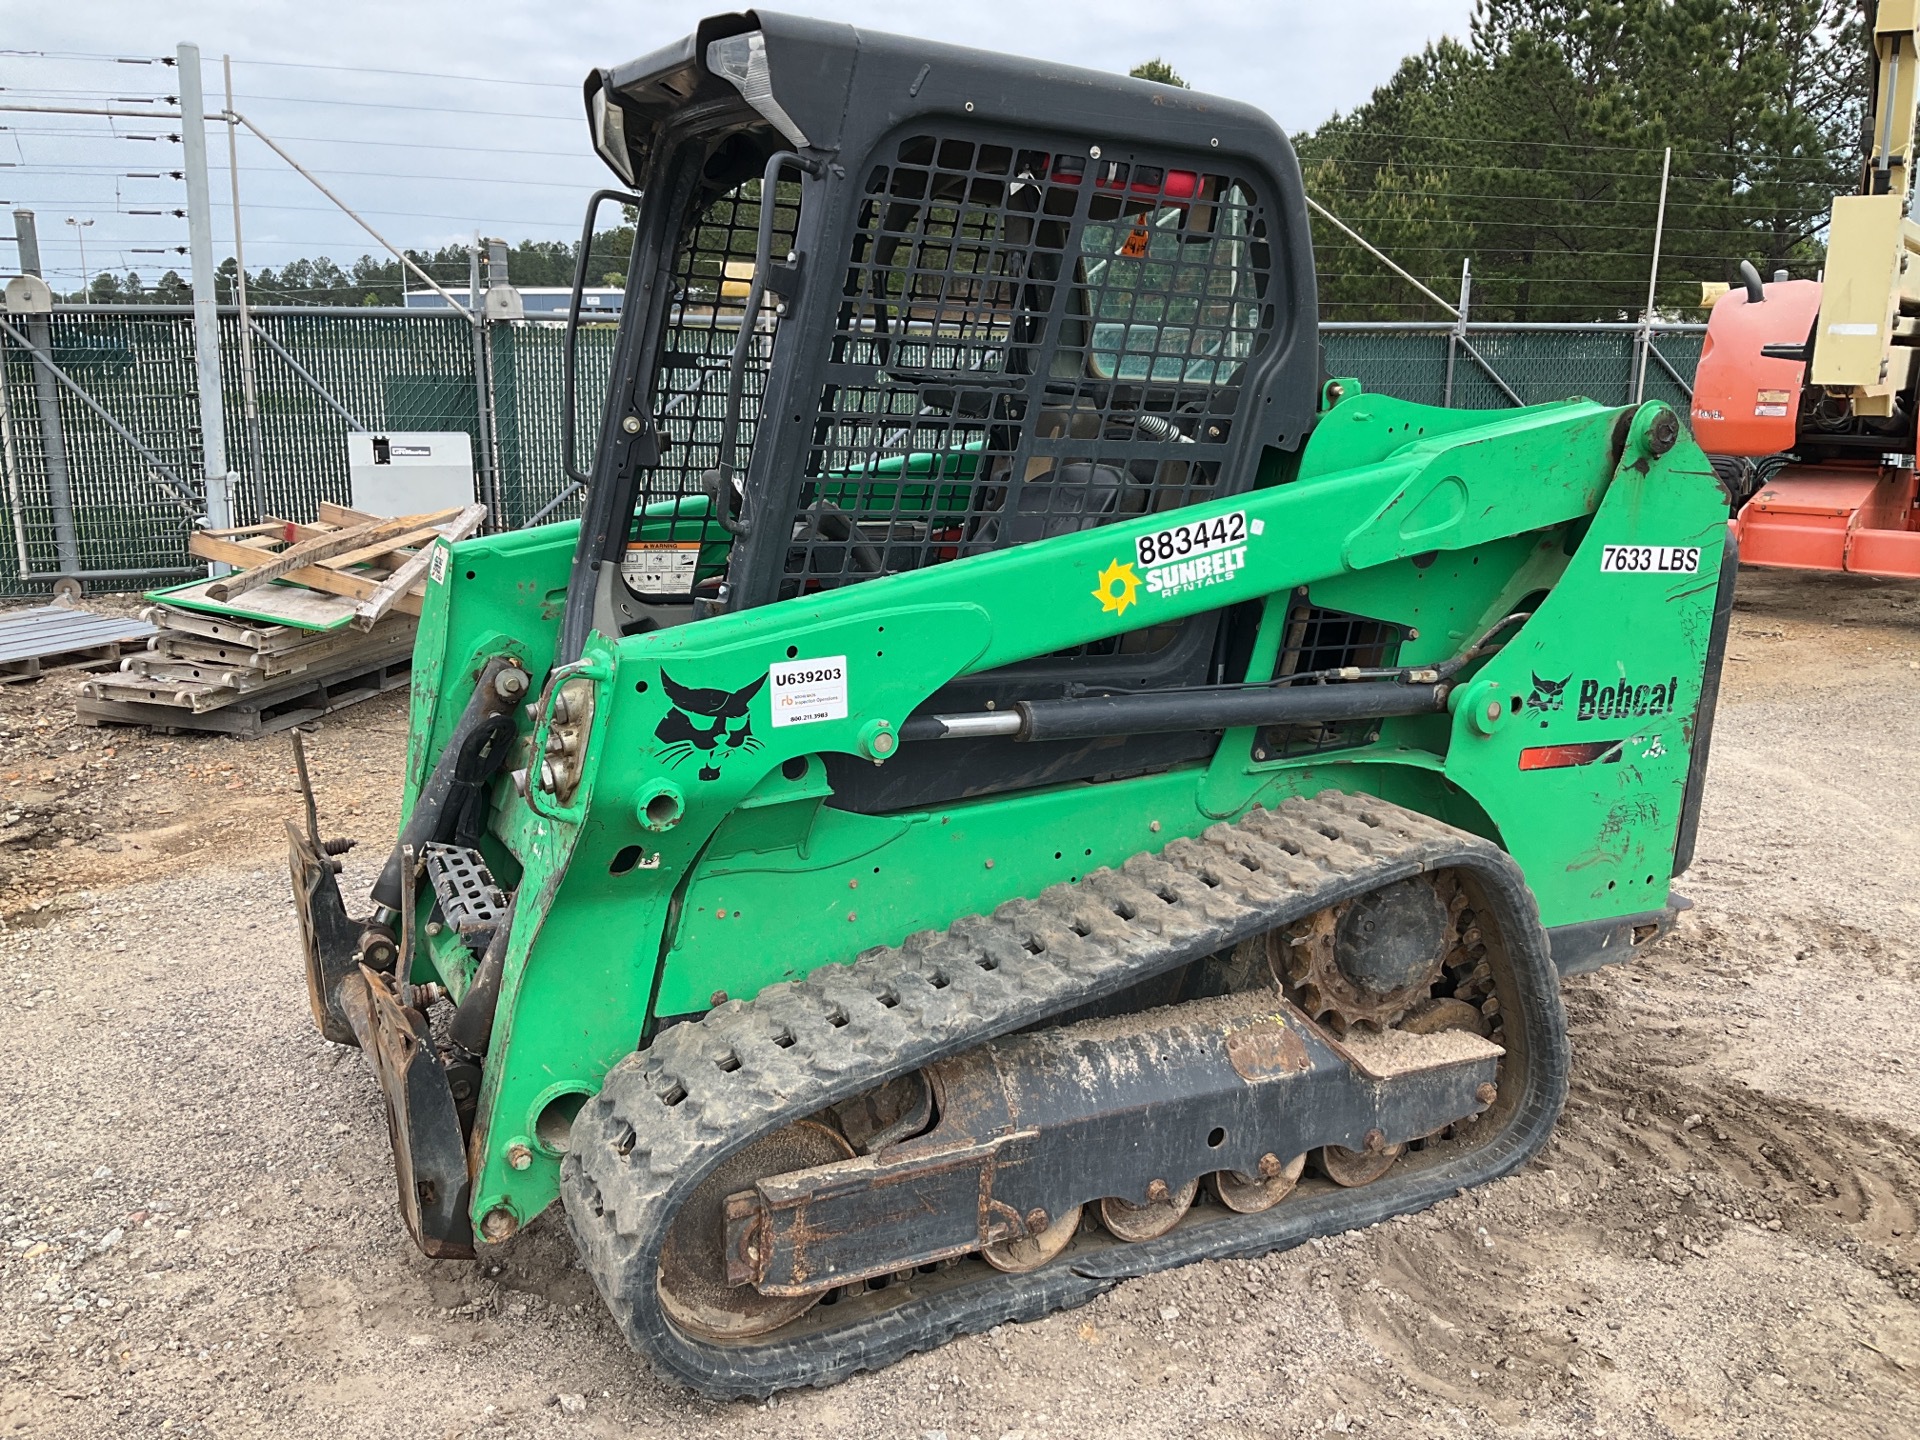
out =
column 1535, row 149
column 1160, row 72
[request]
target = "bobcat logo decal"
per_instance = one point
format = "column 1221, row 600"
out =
column 727, row 725
column 1547, row 694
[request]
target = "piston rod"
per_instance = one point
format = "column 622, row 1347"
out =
column 1094, row 716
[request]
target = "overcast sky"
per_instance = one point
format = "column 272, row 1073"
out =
column 431, row 160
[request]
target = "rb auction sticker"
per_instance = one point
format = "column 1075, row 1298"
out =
column 804, row 691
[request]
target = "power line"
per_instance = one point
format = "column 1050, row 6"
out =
column 1497, row 237
column 580, row 153
column 300, row 65
column 1417, row 195
column 80, row 55
column 1308, row 136
column 1484, row 226
column 105, row 172
column 413, row 74
column 87, row 93
column 82, row 208
column 429, row 109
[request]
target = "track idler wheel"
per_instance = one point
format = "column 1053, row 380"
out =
column 1354, row 1168
column 1030, row 1252
column 1163, row 1210
column 693, row 1262
column 1250, row 1194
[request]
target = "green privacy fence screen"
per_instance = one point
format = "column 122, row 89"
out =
column 131, row 449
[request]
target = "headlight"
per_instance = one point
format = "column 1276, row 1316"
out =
column 610, row 135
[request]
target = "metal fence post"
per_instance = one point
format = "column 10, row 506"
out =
column 1459, row 331
column 482, row 389
column 249, row 383
column 46, row 394
column 206, row 318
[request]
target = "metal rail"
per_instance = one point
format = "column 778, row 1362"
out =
column 307, row 375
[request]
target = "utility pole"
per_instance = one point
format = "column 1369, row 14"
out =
column 46, row 392
column 206, row 315
column 86, row 276
column 256, row 451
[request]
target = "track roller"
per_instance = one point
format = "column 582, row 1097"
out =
column 1030, row 1252
column 1250, row 1194
column 1150, row 1221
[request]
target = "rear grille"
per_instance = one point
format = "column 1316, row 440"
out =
column 1320, row 639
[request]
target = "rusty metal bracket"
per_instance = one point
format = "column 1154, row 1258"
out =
column 423, row 1123
column 329, row 938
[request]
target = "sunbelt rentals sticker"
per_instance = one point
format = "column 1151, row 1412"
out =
column 1177, row 559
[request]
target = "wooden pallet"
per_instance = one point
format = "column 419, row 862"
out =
column 347, row 568
column 258, row 712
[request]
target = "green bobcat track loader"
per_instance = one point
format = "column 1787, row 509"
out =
column 1016, row 779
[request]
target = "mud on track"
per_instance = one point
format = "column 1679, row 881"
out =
column 196, row 1221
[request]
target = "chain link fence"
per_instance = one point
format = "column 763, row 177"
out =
column 102, row 457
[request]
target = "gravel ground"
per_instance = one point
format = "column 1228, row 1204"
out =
column 197, row 1231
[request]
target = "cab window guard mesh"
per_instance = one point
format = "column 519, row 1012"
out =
column 1029, row 343
column 674, row 536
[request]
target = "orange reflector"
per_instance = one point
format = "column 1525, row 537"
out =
column 1559, row 757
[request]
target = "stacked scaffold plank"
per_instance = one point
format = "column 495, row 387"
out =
column 49, row 636
column 310, row 618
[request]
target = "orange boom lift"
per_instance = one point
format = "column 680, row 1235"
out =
column 1821, row 374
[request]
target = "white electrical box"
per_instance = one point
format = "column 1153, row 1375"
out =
column 410, row 472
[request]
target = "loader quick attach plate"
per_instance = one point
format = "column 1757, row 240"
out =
column 705, row 1091
column 429, row 1149
column 354, row 1005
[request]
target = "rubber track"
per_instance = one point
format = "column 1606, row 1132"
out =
column 668, row 1114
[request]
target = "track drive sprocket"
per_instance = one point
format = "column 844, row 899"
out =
column 1372, row 960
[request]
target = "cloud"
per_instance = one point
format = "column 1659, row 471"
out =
column 432, row 160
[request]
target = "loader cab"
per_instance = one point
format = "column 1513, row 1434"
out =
column 893, row 305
